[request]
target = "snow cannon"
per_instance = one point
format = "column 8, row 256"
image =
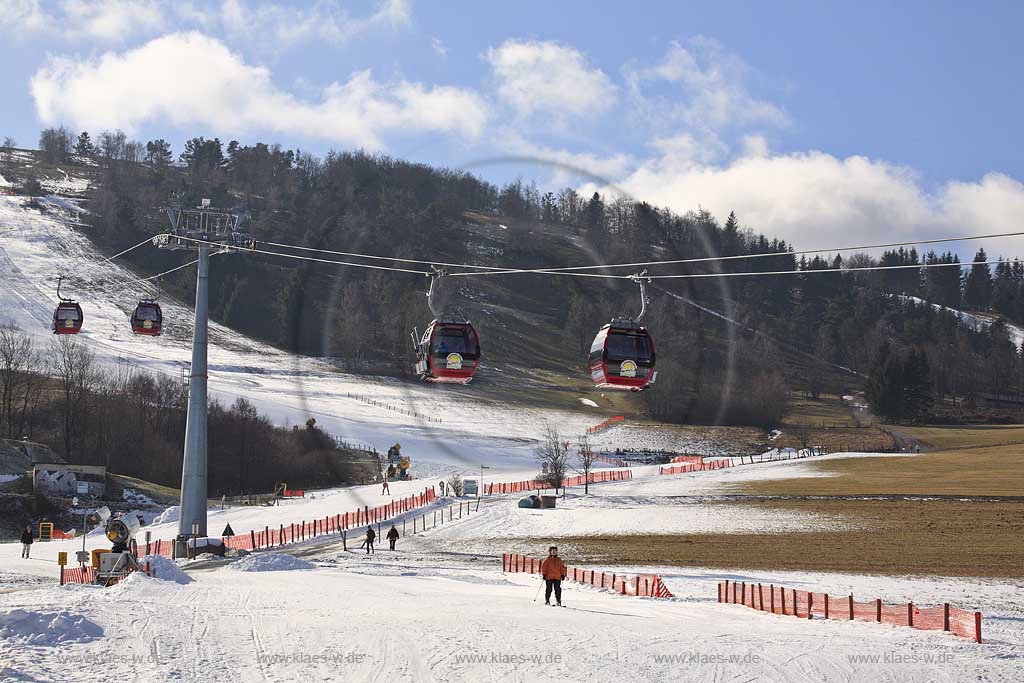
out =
column 119, row 562
column 121, row 530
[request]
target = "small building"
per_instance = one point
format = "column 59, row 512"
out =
column 62, row 479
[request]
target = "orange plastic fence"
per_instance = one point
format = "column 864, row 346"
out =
column 640, row 585
column 86, row 574
column 809, row 605
column 605, row 424
column 700, row 466
column 692, row 459
column 536, row 484
column 293, row 533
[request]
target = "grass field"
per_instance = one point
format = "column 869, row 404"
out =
column 993, row 471
column 938, row 537
column 941, row 438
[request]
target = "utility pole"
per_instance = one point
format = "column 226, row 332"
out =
column 194, row 468
column 198, row 230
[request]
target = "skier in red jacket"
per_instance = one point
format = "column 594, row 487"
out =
column 553, row 571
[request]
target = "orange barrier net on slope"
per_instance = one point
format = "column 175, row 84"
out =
column 639, row 585
column 811, row 605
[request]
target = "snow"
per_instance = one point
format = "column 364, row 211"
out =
column 972, row 320
column 6, row 478
column 168, row 516
column 270, row 562
column 438, row 608
column 588, row 402
column 165, row 569
column 47, row 629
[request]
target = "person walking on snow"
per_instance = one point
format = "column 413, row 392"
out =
column 392, row 536
column 26, row 542
column 370, row 536
column 553, row 571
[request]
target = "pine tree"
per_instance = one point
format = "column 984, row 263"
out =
column 978, row 284
column 883, row 390
column 84, row 146
column 158, row 154
column 916, row 381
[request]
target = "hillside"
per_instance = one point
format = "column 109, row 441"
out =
column 728, row 348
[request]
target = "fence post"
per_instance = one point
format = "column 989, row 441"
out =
column 771, row 596
column 810, row 605
column 851, row 606
column 826, row 605
column 760, row 596
column 783, row 592
column 743, row 593
column 719, row 591
column 910, row 614
column 945, row 616
column 252, row 538
column 878, row 610
column 977, row 627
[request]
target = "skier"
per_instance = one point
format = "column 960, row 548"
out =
column 392, row 536
column 386, row 488
column 26, row 542
column 440, row 485
column 370, row 536
column 553, row 571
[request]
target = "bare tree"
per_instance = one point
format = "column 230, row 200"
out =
column 553, row 454
column 456, row 485
column 20, row 380
column 74, row 366
column 585, row 459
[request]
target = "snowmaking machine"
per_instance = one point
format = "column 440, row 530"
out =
column 120, row 561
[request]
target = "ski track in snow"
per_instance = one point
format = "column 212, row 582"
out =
column 415, row 614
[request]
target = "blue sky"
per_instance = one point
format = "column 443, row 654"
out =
column 824, row 123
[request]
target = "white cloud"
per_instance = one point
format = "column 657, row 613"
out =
column 564, row 165
column 189, row 79
column 545, row 77
column 264, row 25
column 816, row 200
column 22, row 18
column 702, row 86
column 111, row 20
column 438, row 46
column 286, row 25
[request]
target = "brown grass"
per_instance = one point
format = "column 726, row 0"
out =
column 940, row 438
column 940, row 537
column 995, row 471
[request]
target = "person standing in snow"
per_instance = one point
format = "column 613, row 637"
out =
column 392, row 536
column 26, row 542
column 553, row 571
column 440, row 486
column 385, row 489
column 370, row 536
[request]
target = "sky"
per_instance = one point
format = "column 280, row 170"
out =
column 823, row 123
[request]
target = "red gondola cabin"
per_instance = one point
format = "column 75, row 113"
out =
column 622, row 357
column 147, row 319
column 67, row 318
column 448, row 352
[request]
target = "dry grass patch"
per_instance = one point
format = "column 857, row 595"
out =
column 996, row 471
column 939, row 537
column 940, row 438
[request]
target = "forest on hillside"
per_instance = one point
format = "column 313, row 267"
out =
column 59, row 394
column 374, row 204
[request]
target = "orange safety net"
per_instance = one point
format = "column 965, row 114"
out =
column 812, row 605
column 639, row 585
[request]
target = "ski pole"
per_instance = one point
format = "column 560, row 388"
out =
column 537, row 594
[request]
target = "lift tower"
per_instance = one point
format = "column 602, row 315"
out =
column 203, row 230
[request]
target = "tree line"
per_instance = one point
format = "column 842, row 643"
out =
column 710, row 370
column 133, row 422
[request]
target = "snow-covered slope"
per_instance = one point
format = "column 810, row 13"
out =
column 973, row 320
column 37, row 245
